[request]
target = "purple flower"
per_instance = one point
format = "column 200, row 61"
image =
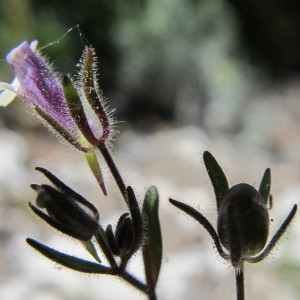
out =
column 36, row 83
column 76, row 110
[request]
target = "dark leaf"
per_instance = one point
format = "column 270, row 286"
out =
column 68, row 261
column 217, row 177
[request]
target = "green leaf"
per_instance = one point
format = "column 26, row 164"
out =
column 152, row 250
column 265, row 186
column 68, row 261
column 217, row 177
column 90, row 247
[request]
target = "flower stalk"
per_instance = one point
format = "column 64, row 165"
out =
column 239, row 279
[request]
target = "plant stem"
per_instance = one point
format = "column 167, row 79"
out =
column 122, row 187
column 113, row 169
column 139, row 285
column 239, row 279
column 152, row 295
column 134, row 282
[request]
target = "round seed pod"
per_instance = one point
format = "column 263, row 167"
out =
column 243, row 222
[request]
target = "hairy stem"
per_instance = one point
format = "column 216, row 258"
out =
column 134, row 282
column 139, row 285
column 239, row 279
column 122, row 187
column 113, row 169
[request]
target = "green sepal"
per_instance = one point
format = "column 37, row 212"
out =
column 54, row 224
column 125, row 235
column 90, row 247
column 68, row 261
column 196, row 215
column 136, row 216
column 92, row 160
column 90, row 89
column 112, row 240
column 76, row 109
column 67, row 211
column 152, row 250
column 83, row 234
column 265, row 186
column 66, row 189
column 217, row 177
column 81, row 146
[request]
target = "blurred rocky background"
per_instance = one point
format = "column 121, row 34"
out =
column 185, row 76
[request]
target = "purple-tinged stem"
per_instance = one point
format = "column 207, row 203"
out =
column 113, row 169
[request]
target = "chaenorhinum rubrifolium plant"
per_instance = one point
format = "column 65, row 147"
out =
column 74, row 108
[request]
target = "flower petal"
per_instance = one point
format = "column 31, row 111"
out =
column 38, row 85
column 8, row 95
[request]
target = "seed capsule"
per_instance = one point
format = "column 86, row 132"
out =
column 243, row 221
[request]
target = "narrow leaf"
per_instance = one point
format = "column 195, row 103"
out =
column 217, row 177
column 277, row 236
column 265, row 186
column 203, row 221
column 68, row 261
column 152, row 251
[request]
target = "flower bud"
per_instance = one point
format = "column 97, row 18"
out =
column 125, row 234
column 65, row 212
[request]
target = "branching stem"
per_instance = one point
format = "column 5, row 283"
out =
column 150, row 292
